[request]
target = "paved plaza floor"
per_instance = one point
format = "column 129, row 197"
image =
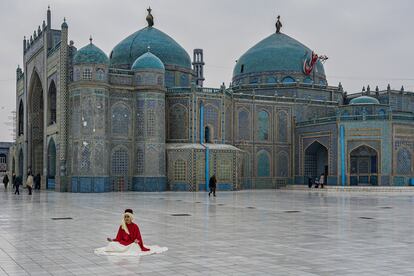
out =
column 268, row 232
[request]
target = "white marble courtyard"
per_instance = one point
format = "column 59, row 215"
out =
column 270, row 232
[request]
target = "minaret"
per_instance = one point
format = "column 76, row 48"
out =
column 198, row 66
column 63, row 105
column 49, row 27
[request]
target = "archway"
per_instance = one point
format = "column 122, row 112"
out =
column 207, row 135
column 52, row 104
column 51, row 165
column 363, row 166
column 316, row 160
column 35, row 127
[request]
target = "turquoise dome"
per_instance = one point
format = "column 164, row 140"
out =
column 364, row 100
column 148, row 61
column 276, row 53
column 163, row 46
column 90, row 54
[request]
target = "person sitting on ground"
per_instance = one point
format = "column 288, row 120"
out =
column 128, row 232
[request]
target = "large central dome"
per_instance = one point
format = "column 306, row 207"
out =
column 163, row 46
column 279, row 56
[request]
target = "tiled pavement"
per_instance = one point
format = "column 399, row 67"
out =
column 271, row 232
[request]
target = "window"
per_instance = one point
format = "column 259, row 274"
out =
column 263, row 164
column 212, row 119
column 263, row 126
column 120, row 162
column 100, row 74
column 3, row 159
column 207, row 137
column 244, row 125
column 140, row 161
column 52, row 103
column 180, row 170
column 87, row 74
column 21, row 118
column 151, row 123
column 404, row 161
column 120, row 120
column 242, row 68
column 224, row 169
column 288, row 80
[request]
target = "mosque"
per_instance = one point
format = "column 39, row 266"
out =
column 141, row 120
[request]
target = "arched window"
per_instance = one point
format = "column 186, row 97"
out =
column 263, row 126
column 288, row 80
column 100, row 74
column 178, row 122
column 180, row 170
column 51, row 160
column 120, row 120
column 207, row 137
column 263, row 164
column 120, row 161
column 283, row 164
column 271, row 79
column 212, row 119
column 52, row 103
column 244, row 124
column 282, row 126
column 308, row 80
column 21, row 118
column 404, row 161
column 184, row 80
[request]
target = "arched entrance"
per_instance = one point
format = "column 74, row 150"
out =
column 52, row 104
column 363, row 166
column 207, row 134
column 51, row 165
column 316, row 160
column 35, row 126
column 20, row 171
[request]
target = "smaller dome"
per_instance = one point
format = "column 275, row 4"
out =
column 147, row 61
column 364, row 100
column 90, row 54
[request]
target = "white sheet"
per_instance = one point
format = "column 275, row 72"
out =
column 117, row 249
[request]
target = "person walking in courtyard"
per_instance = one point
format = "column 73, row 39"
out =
column 322, row 180
column 212, row 185
column 17, row 182
column 5, row 181
column 37, row 181
column 29, row 183
column 128, row 241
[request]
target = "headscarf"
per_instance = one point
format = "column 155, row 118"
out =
column 123, row 223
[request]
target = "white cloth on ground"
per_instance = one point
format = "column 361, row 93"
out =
column 117, row 249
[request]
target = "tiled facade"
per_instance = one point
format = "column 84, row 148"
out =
column 92, row 123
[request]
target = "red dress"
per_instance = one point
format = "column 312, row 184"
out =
column 134, row 234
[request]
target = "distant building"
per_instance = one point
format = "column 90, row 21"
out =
column 140, row 119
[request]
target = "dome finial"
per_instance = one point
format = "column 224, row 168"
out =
column 90, row 39
column 149, row 48
column 150, row 18
column 278, row 25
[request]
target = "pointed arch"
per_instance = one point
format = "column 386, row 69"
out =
column 404, row 161
column 120, row 119
column 178, row 122
column 120, row 161
column 52, row 94
column 35, row 123
column 263, row 127
column 212, row 119
column 282, row 125
column 244, row 122
column 21, row 118
column 263, row 164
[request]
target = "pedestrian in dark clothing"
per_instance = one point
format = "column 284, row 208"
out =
column 37, row 181
column 212, row 185
column 13, row 179
column 17, row 183
column 5, row 181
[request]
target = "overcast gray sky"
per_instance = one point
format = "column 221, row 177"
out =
column 367, row 42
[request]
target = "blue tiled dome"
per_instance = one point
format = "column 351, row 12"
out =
column 90, row 54
column 162, row 45
column 276, row 53
column 364, row 100
column 148, row 61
